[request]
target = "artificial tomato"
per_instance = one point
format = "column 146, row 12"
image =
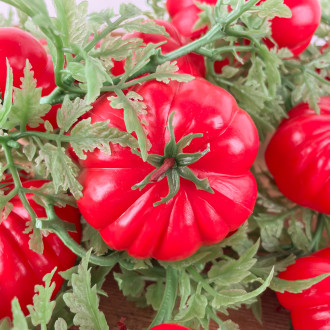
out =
column 297, row 31
column 309, row 309
column 19, row 46
column 298, row 156
column 21, row 268
column 185, row 15
column 127, row 219
column 190, row 64
column 169, row 326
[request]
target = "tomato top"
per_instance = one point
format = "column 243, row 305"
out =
column 127, row 219
column 169, row 326
column 297, row 31
column 18, row 46
column 310, row 309
column 21, row 268
column 298, row 156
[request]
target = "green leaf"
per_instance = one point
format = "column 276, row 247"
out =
column 29, row 149
column 6, row 108
column 273, row 8
column 257, row 310
column 154, row 294
column 83, row 301
column 298, row 235
column 19, row 320
column 92, row 238
column 196, row 307
column 229, row 272
column 87, row 137
column 35, row 243
column 141, row 25
column 26, row 109
column 61, row 167
column 60, row 324
column 167, row 71
column 280, row 285
column 129, row 10
column 72, row 21
column 42, row 308
column 96, row 74
column 185, row 289
column 133, row 107
column 231, row 297
column 77, row 70
column 229, row 325
column 130, row 283
column 69, row 113
column 5, row 324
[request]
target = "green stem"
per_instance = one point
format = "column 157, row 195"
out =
column 315, row 243
column 199, row 279
column 164, row 313
column 214, row 54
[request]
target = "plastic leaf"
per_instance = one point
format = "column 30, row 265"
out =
column 141, row 25
column 84, row 301
column 167, row 71
column 130, row 283
column 196, row 306
column 93, row 239
column 154, row 294
column 60, row 324
column 19, row 321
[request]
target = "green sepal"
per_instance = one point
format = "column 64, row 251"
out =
column 188, row 174
column 186, row 140
column 173, row 179
column 184, row 159
column 171, row 146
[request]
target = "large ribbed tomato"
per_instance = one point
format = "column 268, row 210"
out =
column 310, row 309
column 298, row 156
column 127, row 219
column 21, row 268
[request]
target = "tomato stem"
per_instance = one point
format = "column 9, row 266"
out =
column 167, row 164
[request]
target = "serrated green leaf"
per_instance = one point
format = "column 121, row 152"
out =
column 87, row 137
column 226, row 298
column 83, row 301
column 133, row 107
column 77, row 70
column 30, row 149
column 257, row 310
column 96, row 75
column 5, row 324
column 196, row 307
column 167, row 71
column 298, row 235
column 35, row 242
column 72, row 19
column 26, row 109
column 154, row 294
column 6, row 107
column 70, row 111
column 101, row 17
column 280, row 285
column 273, row 8
column 229, row 325
column 185, row 289
column 60, row 324
column 19, row 320
column 92, row 238
column 129, row 283
column 62, row 169
column 229, row 272
column 129, row 10
column 141, row 25
column 42, row 308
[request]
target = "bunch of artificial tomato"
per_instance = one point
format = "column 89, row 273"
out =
column 215, row 192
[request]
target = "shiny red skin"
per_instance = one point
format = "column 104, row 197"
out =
column 127, row 219
column 297, row 31
column 21, row 268
column 169, row 326
column 18, row 46
column 184, row 15
column 310, row 309
column 298, row 156
column 191, row 63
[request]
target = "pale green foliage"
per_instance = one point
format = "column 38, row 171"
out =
column 19, row 321
column 83, row 301
column 60, row 324
column 167, row 71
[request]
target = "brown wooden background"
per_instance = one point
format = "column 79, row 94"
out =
column 116, row 306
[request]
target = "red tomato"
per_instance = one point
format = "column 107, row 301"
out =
column 310, row 309
column 298, row 156
column 191, row 63
column 185, row 15
column 21, row 268
column 297, row 31
column 127, row 219
column 169, row 326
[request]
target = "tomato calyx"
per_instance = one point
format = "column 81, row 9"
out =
column 173, row 165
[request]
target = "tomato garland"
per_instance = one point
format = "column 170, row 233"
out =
column 309, row 309
column 298, row 156
column 20, row 267
column 193, row 217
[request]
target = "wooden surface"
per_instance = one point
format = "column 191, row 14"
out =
column 116, row 306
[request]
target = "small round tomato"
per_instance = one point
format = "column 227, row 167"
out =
column 298, row 156
column 309, row 309
column 20, row 267
column 19, row 46
column 297, row 31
